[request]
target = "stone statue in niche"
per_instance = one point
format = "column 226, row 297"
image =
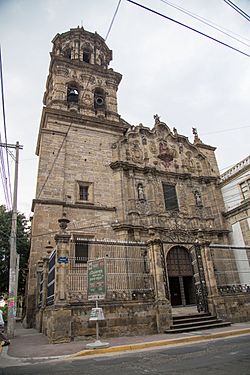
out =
column 180, row 147
column 152, row 147
column 140, row 191
column 144, row 139
column 198, row 200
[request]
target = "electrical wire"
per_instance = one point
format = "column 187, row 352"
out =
column 237, row 9
column 226, row 130
column 112, row 21
column 4, row 122
column 207, row 22
column 189, row 27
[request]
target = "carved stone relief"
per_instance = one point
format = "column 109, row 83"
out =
column 136, row 152
column 166, row 153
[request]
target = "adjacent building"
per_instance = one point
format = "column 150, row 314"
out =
column 235, row 187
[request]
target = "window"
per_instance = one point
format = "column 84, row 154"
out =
column 99, row 99
column 67, row 53
column 245, row 189
column 72, row 94
column 81, row 251
column 83, row 193
column 170, row 197
column 86, row 55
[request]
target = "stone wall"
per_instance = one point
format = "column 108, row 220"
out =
column 234, row 307
column 62, row 324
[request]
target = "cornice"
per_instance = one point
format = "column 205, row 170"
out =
column 207, row 147
column 126, row 166
column 91, row 69
column 84, row 206
column 236, row 210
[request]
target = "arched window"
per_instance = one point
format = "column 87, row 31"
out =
column 72, row 94
column 86, row 55
column 67, row 53
column 99, row 99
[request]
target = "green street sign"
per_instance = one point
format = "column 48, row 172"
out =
column 96, row 279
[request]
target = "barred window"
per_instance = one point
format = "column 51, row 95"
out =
column 83, row 193
column 245, row 189
column 170, row 197
column 81, row 251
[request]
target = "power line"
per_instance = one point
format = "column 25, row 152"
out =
column 188, row 27
column 6, row 186
column 112, row 21
column 226, row 130
column 207, row 22
column 237, row 9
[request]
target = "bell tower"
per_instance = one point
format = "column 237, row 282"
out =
column 79, row 125
column 79, row 78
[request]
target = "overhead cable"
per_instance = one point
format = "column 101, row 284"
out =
column 209, row 23
column 237, row 9
column 226, row 130
column 6, row 186
column 112, row 21
column 188, row 27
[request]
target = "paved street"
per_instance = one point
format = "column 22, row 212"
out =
column 219, row 357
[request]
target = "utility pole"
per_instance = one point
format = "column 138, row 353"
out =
column 13, row 255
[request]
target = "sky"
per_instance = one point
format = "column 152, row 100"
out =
column 185, row 78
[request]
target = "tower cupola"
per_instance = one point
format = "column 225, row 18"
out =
column 80, row 78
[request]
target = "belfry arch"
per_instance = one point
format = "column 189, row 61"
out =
column 180, row 277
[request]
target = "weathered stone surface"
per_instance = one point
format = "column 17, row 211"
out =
column 108, row 177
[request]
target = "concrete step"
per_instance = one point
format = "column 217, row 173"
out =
column 192, row 318
column 198, row 327
column 196, row 323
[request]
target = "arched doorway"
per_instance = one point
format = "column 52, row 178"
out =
column 180, row 277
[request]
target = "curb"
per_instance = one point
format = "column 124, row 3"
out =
column 162, row 343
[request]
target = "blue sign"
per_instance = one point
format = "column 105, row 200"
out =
column 63, row 260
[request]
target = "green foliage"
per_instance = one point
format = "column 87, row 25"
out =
column 22, row 246
column 5, row 312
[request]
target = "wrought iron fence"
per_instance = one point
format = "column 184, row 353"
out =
column 51, row 279
column 40, row 290
column 231, row 268
column 127, row 269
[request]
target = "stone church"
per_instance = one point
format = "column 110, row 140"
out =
column 147, row 200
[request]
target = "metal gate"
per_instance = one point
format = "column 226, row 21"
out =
column 199, row 277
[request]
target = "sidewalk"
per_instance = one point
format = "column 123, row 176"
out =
column 30, row 344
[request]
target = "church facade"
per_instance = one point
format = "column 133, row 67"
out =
column 146, row 199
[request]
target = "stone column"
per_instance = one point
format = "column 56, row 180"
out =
column 162, row 305
column 59, row 315
column 62, row 263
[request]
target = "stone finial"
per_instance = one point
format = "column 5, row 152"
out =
column 49, row 248
column 63, row 223
column 196, row 137
column 157, row 119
